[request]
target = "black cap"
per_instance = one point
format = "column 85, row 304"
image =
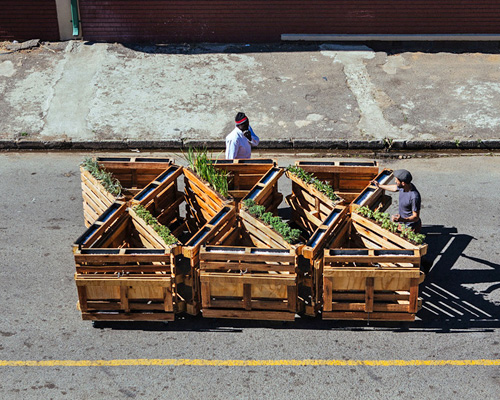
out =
column 403, row 175
column 240, row 118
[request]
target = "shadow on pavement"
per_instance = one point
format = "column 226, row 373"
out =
column 389, row 47
column 448, row 306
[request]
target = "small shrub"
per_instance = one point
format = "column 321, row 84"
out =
column 384, row 219
column 162, row 230
column 310, row 179
column 111, row 184
column 281, row 227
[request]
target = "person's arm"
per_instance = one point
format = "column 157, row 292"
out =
column 413, row 218
column 255, row 139
column 390, row 188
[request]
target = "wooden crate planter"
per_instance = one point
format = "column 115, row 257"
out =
column 370, row 273
column 312, row 253
column 133, row 173
column 248, row 283
column 348, row 178
column 208, row 215
column 374, row 197
column 124, row 270
column 244, row 174
column 228, row 263
column 203, row 202
column 374, row 236
column 250, row 272
column 265, row 191
column 163, row 200
column 213, row 231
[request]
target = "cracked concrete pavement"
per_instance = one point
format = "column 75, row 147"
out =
column 309, row 95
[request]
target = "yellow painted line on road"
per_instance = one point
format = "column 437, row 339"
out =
column 243, row 363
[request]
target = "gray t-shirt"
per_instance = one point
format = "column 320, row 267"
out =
column 408, row 203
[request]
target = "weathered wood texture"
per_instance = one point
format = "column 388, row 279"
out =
column 124, row 270
column 374, row 197
column 265, row 191
column 243, row 175
column 133, row 173
column 131, row 297
column 262, row 282
column 372, row 274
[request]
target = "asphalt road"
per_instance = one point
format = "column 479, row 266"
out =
column 41, row 215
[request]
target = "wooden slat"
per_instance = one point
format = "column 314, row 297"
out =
column 375, row 316
column 151, row 316
column 247, row 296
column 253, row 315
column 168, row 305
column 124, row 299
column 292, row 298
column 255, row 267
column 369, row 294
column 413, row 301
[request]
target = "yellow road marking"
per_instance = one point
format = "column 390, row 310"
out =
column 242, row 363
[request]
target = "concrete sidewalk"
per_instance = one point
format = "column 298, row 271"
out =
column 80, row 95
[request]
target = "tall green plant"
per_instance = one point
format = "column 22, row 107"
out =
column 111, row 184
column 200, row 162
column 281, row 227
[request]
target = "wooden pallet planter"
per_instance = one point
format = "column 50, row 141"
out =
column 208, row 216
column 374, row 197
column 249, row 283
column 347, row 178
column 203, row 202
column 213, row 231
column 265, row 191
column 232, row 265
column 124, row 270
column 374, row 236
column 243, row 175
column 322, row 218
column 250, row 273
column 370, row 273
column 133, row 173
column 312, row 252
column 163, row 200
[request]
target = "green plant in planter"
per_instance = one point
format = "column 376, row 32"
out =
column 111, row 184
column 200, row 163
column 162, row 230
column 365, row 212
column 384, row 219
column 281, row 227
column 310, row 179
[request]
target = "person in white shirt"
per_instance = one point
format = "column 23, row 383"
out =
column 240, row 141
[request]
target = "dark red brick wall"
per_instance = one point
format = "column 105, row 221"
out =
column 28, row 19
column 266, row 20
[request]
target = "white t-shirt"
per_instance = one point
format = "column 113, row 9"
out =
column 238, row 146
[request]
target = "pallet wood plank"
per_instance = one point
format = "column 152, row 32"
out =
column 369, row 294
column 253, row 315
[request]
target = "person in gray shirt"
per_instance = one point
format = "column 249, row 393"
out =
column 409, row 199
